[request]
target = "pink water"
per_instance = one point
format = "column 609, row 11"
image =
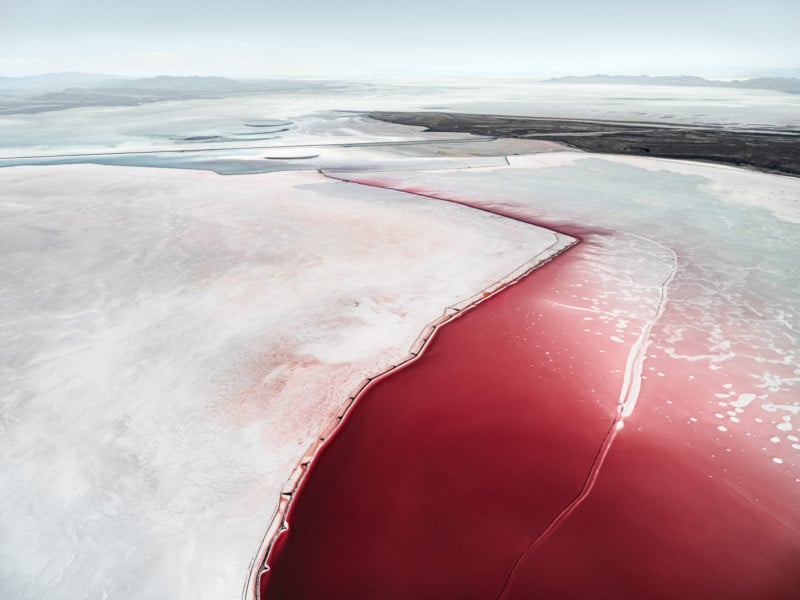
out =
column 445, row 475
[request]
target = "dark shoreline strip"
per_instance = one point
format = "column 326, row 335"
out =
column 775, row 151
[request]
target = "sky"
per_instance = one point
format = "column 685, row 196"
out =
column 532, row 38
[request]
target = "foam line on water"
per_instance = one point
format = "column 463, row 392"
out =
column 628, row 398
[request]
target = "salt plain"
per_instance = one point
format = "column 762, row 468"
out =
column 125, row 286
column 173, row 341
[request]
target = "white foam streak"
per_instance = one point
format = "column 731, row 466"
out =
column 632, row 381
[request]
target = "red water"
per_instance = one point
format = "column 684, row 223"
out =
column 445, row 474
column 444, row 471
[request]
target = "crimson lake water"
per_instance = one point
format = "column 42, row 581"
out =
column 446, row 471
column 445, row 475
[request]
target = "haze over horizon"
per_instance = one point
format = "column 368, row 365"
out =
column 242, row 38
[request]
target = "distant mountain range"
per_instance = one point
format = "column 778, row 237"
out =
column 780, row 84
column 59, row 91
column 51, row 81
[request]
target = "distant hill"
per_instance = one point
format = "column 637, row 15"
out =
column 52, row 81
column 61, row 91
column 175, row 83
column 780, row 84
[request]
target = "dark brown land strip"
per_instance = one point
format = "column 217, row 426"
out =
column 772, row 150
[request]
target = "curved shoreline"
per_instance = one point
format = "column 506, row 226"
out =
column 259, row 565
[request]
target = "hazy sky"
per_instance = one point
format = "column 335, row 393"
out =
column 338, row 37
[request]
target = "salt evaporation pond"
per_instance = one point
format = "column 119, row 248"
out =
column 696, row 322
column 125, row 287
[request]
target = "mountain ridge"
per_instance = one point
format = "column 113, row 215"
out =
column 790, row 85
